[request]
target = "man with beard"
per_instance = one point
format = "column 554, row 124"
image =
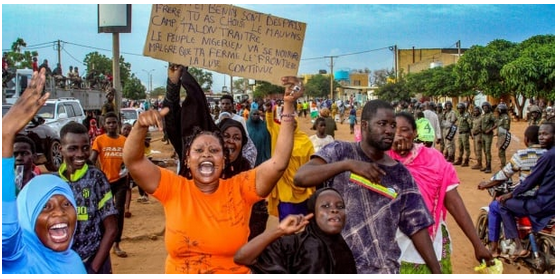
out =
column 379, row 193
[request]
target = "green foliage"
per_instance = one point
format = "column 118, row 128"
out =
column 532, row 73
column 104, row 64
column 264, row 89
column 319, row 86
column 394, row 91
column 133, row 89
column 240, row 85
column 17, row 58
column 203, row 78
column 159, row 91
column 379, row 77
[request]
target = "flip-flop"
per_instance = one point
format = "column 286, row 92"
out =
column 522, row 254
column 120, row 253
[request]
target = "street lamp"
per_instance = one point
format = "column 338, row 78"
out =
column 149, row 79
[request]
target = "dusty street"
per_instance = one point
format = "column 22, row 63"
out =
column 143, row 233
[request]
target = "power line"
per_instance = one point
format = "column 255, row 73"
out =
column 103, row 49
column 347, row 54
column 73, row 56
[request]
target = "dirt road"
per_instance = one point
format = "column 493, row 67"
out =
column 143, row 232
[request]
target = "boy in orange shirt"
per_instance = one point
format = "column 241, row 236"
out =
column 109, row 148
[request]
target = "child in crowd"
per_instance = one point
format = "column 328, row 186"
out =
column 320, row 138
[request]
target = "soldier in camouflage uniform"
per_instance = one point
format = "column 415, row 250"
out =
column 535, row 116
column 449, row 119
column 439, row 112
column 464, row 126
column 504, row 122
column 489, row 123
column 476, row 133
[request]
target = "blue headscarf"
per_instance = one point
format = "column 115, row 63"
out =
column 260, row 136
column 33, row 256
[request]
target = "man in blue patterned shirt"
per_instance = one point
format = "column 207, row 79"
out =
column 521, row 162
column 97, row 214
column 379, row 193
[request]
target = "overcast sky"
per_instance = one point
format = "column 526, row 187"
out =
column 360, row 35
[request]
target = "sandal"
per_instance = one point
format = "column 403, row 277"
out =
column 524, row 253
column 120, row 253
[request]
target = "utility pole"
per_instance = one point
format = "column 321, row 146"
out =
column 458, row 44
column 396, row 52
column 149, row 79
column 58, row 50
column 117, row 72
column 332, row 75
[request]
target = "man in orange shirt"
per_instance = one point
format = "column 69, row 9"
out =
column 108, row 148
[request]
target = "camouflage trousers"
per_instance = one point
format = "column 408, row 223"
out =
column 477, row 144
column 464, row 146
column 487, row 147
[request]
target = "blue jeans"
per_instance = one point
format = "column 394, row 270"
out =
column 494, row 221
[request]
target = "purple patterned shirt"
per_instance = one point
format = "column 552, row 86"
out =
column 372, row 218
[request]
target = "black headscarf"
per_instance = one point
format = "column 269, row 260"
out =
column 341, row 255
column 240, row 164
column 311, row 251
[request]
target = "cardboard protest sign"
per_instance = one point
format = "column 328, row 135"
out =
column 226, row 39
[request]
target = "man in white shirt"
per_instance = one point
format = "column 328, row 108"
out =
column 428, row 110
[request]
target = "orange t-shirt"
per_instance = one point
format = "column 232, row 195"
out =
column 203, row 231
column 110, row 155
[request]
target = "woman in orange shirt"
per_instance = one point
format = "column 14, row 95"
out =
column 207, row 217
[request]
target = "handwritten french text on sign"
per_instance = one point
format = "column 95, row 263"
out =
column 226, row 39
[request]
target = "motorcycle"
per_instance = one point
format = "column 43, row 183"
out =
column 540, row 244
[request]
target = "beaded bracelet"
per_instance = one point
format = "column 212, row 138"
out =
column 288, row 115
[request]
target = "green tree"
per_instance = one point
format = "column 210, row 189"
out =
column 240, row 85
column 18, row 58
column 320, row 86
column 160, row 91
column 104, row 64
column 204, row 78
column 531, row 75
column 134, row 89
column 479, row 68
column 379, row 77
column 265, row 88
column 394, row 91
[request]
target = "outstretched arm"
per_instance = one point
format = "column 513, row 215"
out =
column 23, row 110
column 317, row 171
column 248, row 253
column 455, row 206
column 142, row 170
column 269, row 172
column 26, row 106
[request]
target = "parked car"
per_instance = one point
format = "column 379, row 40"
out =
column 46, row 139
column 58, row 112
column 130, row 115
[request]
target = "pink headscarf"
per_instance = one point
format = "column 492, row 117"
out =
column 433, row 174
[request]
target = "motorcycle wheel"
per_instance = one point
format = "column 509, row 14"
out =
column 546, row 248
column 482, row 227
